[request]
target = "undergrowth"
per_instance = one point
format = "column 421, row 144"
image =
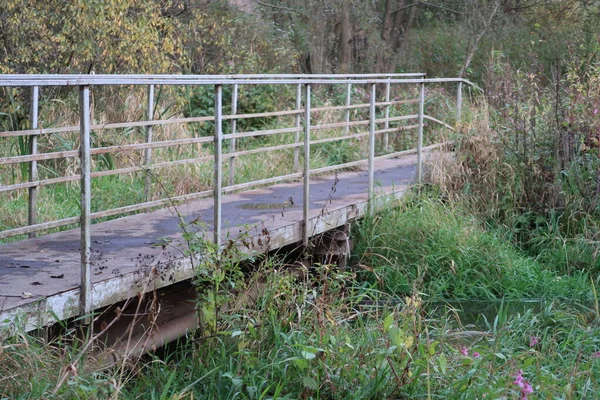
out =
column 436, row 248
column 365, row 333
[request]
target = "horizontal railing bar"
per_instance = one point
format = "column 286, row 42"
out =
column 246, row 185
column 228, row 76
column 53, row 181
column 438, row 121
column 120, row 125
column 102, row 214
column 364, row 105
column 294, row 145
column 383, row 157
column 396, row 119
column 262, row 150
column 153, row 145
column 338, row 125
column 316, row 171
column 152, row 204
column 339, row 166
column 412, row 151
column 261, row 133
column 117, row 125
column 265, row 114
column 87, row 80
column 70, row 178
column 104, row 150
column 38, row 227
column 358, row 123
column 179, row 142
column 363, row 134
column 192, row 196
column 39, row 157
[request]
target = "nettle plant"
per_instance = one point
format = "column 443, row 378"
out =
column 218, row 278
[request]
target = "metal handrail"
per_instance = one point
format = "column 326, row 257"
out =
column 303, row 93
column 27, row 77
column 191, row 80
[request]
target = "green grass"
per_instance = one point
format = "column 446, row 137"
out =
column 442, row 251
column 362, row 334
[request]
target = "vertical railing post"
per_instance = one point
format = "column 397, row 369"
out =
column 459, row 102
column 372, row 118
column 298, row 124
column 218, row 176
column 348, row 102
column 386, row 135
column 306, row 194
column 33, row 170
column 420, row 137
column 85, row 290
column 148, row 152
column 234, row 101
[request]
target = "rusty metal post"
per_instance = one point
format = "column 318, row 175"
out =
column 306, row 182
column 234, row 101
column 33, row 170
column 218, row 177
column 348, row 102
column 298, row 124
column 372, row 118
column 148, row 152
column 420, row 137
column 85, row 290
column 386, row 137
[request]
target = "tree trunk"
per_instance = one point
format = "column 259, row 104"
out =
column 345, row 40
column 381, row 62
column 397, row 18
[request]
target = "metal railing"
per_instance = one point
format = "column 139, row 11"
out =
column 302, row 124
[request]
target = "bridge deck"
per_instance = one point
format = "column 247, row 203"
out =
column 39, row 278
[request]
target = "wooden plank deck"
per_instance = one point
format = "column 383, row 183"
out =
column 128, row 255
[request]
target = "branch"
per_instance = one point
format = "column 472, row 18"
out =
column 478, row 39
column 281, row 7
column 424, row 3
column 405, row 7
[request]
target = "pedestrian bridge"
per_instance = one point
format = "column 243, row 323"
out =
column 345, row 145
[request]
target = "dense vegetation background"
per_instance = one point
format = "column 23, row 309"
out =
column 513, row 214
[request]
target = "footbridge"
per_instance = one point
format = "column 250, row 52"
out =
column 107, row 179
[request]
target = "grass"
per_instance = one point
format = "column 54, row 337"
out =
column 440, row 250
column 361, row 334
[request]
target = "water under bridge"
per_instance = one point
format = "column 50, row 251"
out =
column 55, row 268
